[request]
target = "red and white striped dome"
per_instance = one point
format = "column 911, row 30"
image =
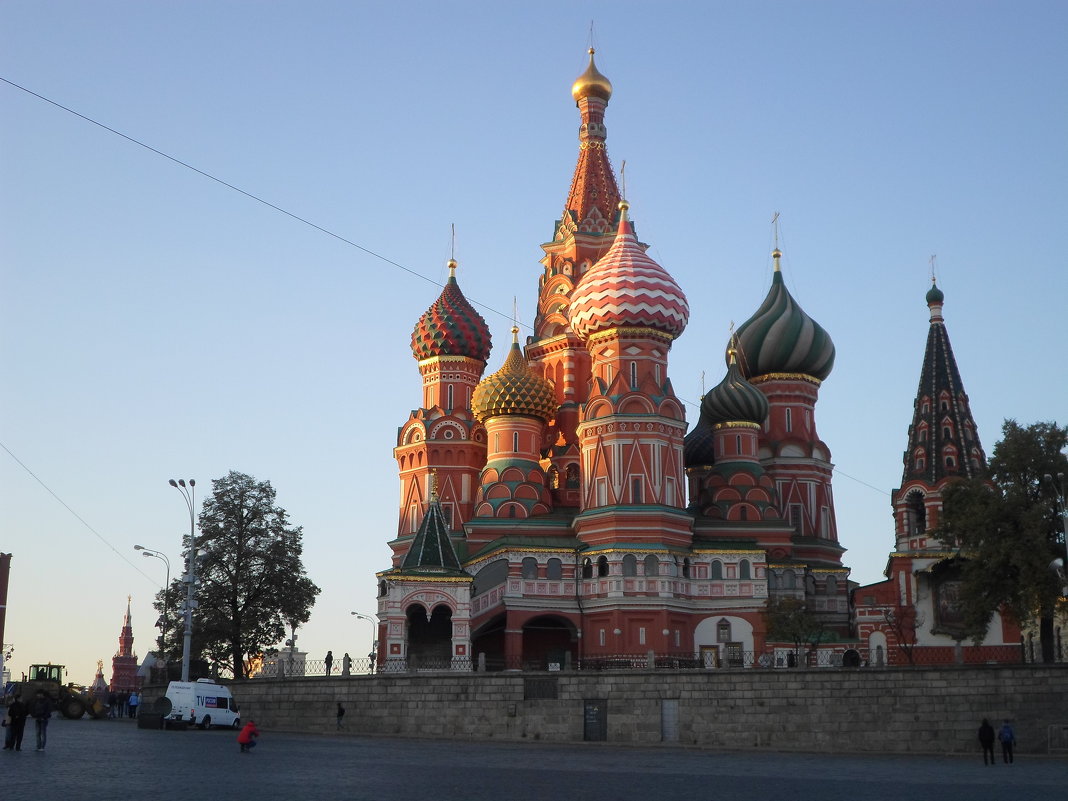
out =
column 626, row 288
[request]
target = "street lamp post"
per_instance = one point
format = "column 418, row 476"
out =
column 188, row 494
column 166, row 590
column 1059, row 504
column 374, row 636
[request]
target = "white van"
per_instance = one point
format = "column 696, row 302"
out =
column 202, row 703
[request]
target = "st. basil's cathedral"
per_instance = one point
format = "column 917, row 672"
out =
column 556, row 511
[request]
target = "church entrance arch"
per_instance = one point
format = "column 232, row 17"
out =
column 487, row 641
column 548, row 642
column 429, row 636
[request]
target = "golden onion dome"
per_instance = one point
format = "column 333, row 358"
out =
column 514, row 389
column 591, row 82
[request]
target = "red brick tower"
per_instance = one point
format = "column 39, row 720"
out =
column 451, row 343
column 582, row 235
column 124, row 664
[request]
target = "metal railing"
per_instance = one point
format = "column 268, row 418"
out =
column 724, row 659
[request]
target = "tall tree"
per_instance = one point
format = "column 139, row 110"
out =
column 790, row 620
column 1010, row 531
column 252, row 581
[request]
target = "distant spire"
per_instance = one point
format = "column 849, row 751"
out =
column 776, row 254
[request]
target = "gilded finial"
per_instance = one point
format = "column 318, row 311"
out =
column 624, row 207
column 451, row 264
column 776, row 254
column 591, row 82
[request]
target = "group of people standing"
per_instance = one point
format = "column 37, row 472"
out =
column 123, row 705
column 1005, row 735
column 40, row 709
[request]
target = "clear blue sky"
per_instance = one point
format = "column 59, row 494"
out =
column 155, row 324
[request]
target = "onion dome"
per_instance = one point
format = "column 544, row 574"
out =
column 514, row 389
column 591, row 82
column 934, row 294
column 697, row 446
column 626, row 288
column 451, row 326
column 781, row 338
column 734, row 400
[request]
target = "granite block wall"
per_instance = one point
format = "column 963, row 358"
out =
column 865, row 710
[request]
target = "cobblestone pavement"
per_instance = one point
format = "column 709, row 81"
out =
column 87, row 760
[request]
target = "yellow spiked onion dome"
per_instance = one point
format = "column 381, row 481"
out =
column 591, row 82
column 514, row 389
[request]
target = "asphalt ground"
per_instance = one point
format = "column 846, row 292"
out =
column 87, row 760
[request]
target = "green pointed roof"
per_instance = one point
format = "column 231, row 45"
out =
column 432, row 546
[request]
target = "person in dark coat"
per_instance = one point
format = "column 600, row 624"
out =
column 41, row 710
column 16, row 726
column 329, row 661
column 1007, row 738
column 986, row 740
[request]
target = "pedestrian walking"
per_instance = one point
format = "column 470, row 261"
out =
column 135, row 699
column 17, row 713
column 246, row 738
column 1007, row 738
column 329, row 661
column 113, row 704
column 41, row 710
column 986, row 740
column 340, row 716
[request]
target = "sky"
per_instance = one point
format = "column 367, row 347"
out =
column 157, row 324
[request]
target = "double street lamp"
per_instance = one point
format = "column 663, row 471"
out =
column 374, row 636
column 166, row 591
column 188, row 494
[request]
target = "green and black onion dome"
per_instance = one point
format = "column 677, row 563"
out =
column 934, row 294
column 781, row 338
column 514, row 389
column 734, row 400
column 451, row 326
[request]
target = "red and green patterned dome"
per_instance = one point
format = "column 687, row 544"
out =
column 627, row 289
column 451, row 326
column 781, row 338
column 514, row 389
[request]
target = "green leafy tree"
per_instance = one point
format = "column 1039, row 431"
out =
column 790, row 620
column 251, row 580
column 1009, row 530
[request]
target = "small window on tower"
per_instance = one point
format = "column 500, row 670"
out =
column 449, row 391
column 633, row 375
column 636, row 490
column 789, row 420
column 515, row 442
column 796, row 514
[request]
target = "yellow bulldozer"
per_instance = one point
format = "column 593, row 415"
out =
column 70, row 699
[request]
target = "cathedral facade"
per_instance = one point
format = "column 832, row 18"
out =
column 558, row 509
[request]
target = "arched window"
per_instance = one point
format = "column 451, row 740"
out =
column 652, row 565
column 449, row 392
column 630, row 565
column 947, row 432
column 633, row 375
column 530, row 567
column 950, row 461
column 587, row 568
column 915, row 513
column 554, row 569
column 602, row 565
column 515, row 442
column 686, row 568
column 717, row 569
column 789, row 420
column 743, row 569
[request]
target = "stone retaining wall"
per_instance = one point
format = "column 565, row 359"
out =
column 920, row 710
